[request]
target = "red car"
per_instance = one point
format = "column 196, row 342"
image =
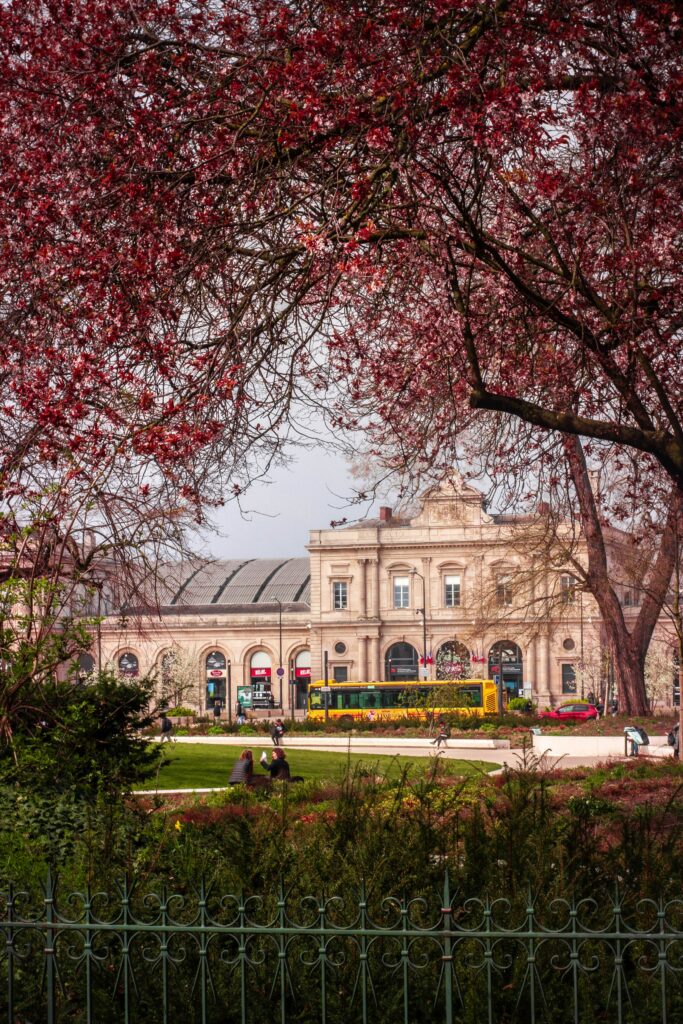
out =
column 571, row 713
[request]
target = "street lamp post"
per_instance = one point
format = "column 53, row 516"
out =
column 280, row 670
column 423, row 612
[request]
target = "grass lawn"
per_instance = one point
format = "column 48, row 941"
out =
column 201, row 766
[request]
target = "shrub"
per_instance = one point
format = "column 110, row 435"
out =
column 82, row 740
column 181, row 712
column 520, row 704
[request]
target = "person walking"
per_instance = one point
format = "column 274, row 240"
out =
column 241, row 719
column 166, row 728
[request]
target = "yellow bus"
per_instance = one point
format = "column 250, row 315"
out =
column 356, row 702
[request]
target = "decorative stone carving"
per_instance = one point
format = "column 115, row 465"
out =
column 452, row 503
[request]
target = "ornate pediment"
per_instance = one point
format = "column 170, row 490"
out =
column 452, row 503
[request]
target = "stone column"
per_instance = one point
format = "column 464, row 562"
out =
column 374, row 666
column 362, row 657
column 362, row 588
column 529, row 667
column 542, row 669
column 374, row 588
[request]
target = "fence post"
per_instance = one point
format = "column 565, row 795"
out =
column 9, row 945
column 447, row 958
column 282, row 952
column 49, row 948
column 203, row 947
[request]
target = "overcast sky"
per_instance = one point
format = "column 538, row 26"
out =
column 304, row 496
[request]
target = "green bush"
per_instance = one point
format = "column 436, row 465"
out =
column 520, row 704
column 181, row 712
column 82, row 740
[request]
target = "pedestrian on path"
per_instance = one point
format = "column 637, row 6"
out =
column 442, row 735
column 277, row 733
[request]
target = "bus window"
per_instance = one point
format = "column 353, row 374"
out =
column 345, row 700
column 315, row 700
column 391, row 698
column 369, row 700
column 471, row 696
column 411, row 697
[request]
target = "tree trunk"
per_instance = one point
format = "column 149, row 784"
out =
column 628, row 650
column 629, row 668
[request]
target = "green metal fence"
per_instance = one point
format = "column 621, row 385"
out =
column 131, row 956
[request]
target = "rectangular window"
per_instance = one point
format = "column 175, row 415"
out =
column 340, row 594
column 344, row 700
column 568, row 589
column 370, row 700
column 469, row 696
column 401, row 592
column 452, row 591
column 340, row 673
column 568, row 679
column 504, row 590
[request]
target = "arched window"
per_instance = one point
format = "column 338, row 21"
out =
column 301, row 679
column 129, row 664
column 216, row 674
column 453, row 661
column 401, row 663
column 86, row 665
column 260, row 667
column 505, row 663
column 260, row 680
column 302, row 665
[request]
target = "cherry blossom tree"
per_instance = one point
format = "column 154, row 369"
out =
column 425, row 218
column 476, row 196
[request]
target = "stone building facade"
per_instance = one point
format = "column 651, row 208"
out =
column 451, row 591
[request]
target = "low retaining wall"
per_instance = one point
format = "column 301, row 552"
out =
column 596, row 746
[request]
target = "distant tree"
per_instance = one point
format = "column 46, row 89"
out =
column 180, row 677
column 659, row 674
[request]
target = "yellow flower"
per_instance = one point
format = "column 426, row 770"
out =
column 178, row 825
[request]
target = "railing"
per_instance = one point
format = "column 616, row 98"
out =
column 160, row 957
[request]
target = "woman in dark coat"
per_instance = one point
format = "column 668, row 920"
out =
column 278, row 767
column 243, row 769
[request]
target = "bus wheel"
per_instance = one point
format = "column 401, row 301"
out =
column 346, row 721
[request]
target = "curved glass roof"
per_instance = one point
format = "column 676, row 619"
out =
column 232, row 582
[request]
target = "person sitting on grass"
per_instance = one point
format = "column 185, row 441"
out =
column 278, row 767
column 242, row 770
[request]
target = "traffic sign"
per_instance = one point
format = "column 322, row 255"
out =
column 326, row 689
column 280, row 671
